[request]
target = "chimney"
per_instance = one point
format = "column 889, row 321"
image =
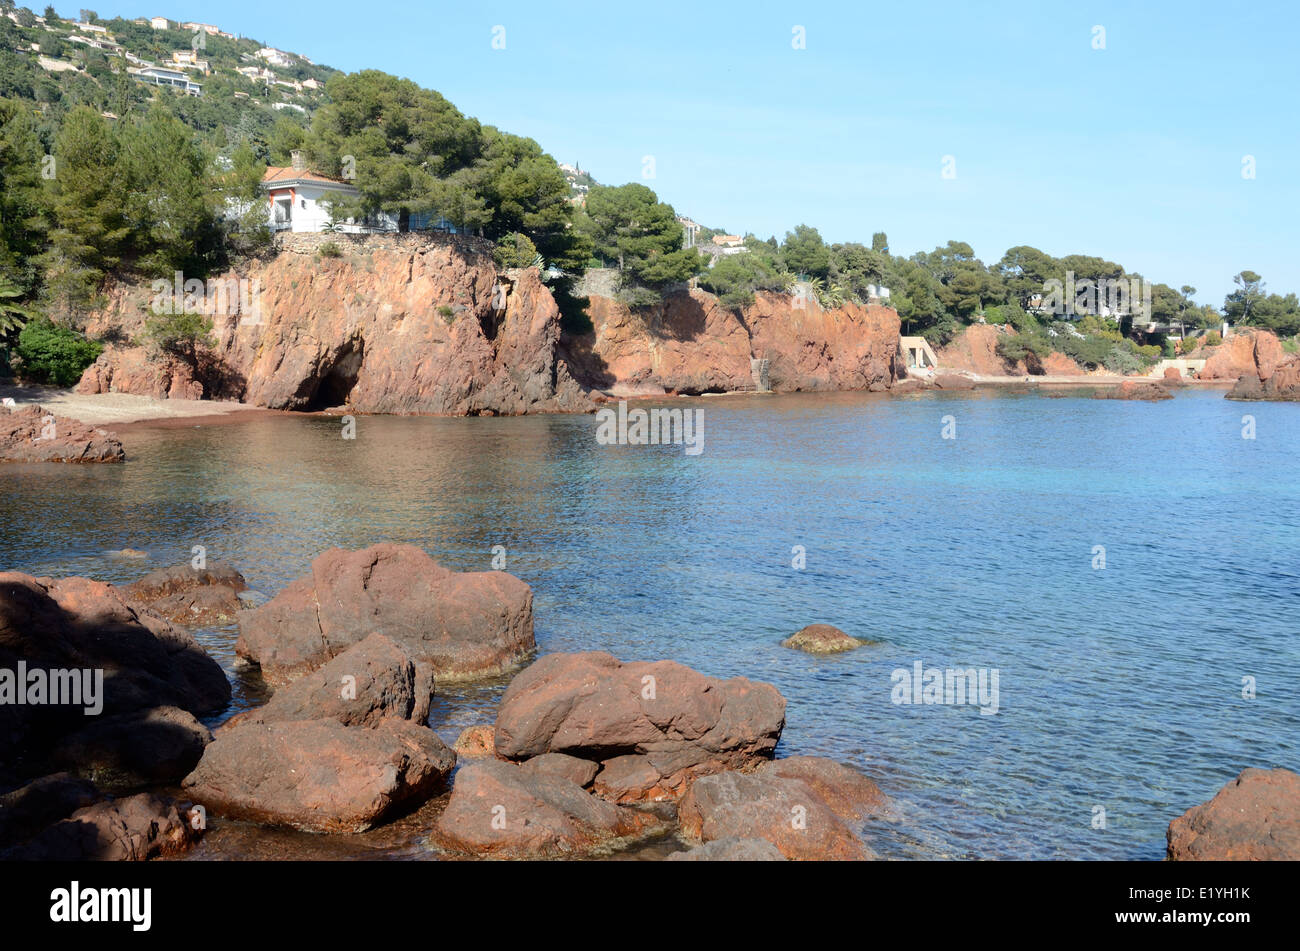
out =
column 299, row 164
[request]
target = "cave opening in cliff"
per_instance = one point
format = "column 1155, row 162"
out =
column 338, row 380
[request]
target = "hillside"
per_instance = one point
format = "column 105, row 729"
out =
column 114, row 64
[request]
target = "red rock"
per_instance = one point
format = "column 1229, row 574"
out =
column 579, row 771
column 678, row 721
column 1254, row 353
column 135, row 829
column 1283, row 384
column 365, row 330
column 186, row 595
column 821, row 639
column 135, row 370
column 385, row 683
column 318, row 775
column 975, row 350
column 475, row 741
column 1058, row 364
column 465, row 625
column 953, row 381
column 131, row 750
column 31, row 434
column 1256, row 817
column 30, row 808
column 849, row 794
column 78, row 624
column 1149, row 390
column 692, row 344
column 500, row 809
column 784, row 811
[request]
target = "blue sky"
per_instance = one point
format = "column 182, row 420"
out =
column 1133, row 152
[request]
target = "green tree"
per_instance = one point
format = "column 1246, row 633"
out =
column 171, row 203
column 630, row 225
column 805, row 253
column 403, row 143
column 515, row 250
column 23, row 198
column 181, row 333
column 86, row 202
column 1250, row 291
column 13, row 312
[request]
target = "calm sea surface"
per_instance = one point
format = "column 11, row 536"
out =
column 1118, row 688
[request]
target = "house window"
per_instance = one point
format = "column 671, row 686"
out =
column 304, row 203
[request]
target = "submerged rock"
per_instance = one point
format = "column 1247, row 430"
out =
column 32, row 434
column 465, row 625
column 821, row 639
column 1150, row 390
column 731, row 849
column 652, row 725
column 187, row 595
column 504, row 810
column 785, row 811
column 1254, row 817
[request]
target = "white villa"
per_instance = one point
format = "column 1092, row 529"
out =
column 274, row 56
column 159, row 23
column 161, row 76
column 297, row 201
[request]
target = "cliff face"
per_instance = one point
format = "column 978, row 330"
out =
column 692, row 344
column 402, row 326
column 1254, row 354
column 975, row 350
column 420, row 324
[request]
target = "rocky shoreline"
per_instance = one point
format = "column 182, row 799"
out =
column 588, row 755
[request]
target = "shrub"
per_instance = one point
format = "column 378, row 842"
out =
column 448, row 314
column 1121, row 361
column 49, row 353
column 514, row 250
column 637, row 296
column 330, row 250
column 181, row 334
column 1213, row 338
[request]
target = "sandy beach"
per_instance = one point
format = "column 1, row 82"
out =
column 117, row 408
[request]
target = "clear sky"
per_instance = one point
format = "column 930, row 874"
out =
column 1133, row 152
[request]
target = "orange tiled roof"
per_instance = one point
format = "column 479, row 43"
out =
column 287, row 173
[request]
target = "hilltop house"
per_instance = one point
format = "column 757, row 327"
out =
column 159, row 23
column 161, row 76
column 189, row 59
column 275, row 57
column 298, row 201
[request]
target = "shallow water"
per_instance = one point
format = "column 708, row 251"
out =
column 1118, row 688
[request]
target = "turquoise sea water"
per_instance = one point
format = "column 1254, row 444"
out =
column 1119, row 688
